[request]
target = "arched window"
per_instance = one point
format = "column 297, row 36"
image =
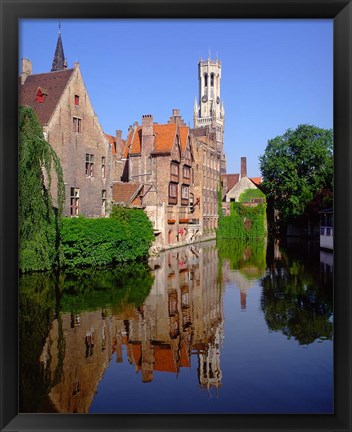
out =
column 212, row 80
column 206, row 80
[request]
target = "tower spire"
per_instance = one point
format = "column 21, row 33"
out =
column 59, row 62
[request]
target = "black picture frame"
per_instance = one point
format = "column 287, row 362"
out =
column 341, row 12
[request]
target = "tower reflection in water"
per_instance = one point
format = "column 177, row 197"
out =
column 181, row 318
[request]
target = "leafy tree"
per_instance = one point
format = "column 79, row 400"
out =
column 39, row 221
column 296, row 167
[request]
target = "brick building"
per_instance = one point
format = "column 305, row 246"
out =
column 158, row 159
column 207, row 168
column 61, row 102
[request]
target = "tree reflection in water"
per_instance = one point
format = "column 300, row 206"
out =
column 296, row 299
column 159, row 318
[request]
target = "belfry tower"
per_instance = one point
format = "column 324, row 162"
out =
column 59, row 61
column 209, row 109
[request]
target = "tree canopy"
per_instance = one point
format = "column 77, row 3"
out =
column 296, row 167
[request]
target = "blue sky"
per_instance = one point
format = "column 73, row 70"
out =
column 276, row 74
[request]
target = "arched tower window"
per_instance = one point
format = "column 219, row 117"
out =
column 212, row 80
column 206, row 80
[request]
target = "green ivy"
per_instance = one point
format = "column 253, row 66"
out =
column 248, row 194
column 39, row 221
column 243, row 222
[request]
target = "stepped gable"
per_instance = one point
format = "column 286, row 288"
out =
column 51, row 84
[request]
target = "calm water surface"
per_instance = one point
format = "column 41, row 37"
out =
column 227, row 328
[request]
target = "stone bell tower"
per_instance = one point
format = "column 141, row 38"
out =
column 209, row 109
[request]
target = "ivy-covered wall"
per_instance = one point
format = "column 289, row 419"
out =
column 244, row 221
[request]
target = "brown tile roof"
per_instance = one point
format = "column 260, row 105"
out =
column 231, row 180
column 54, row 84
column 164, row 137
column 124, row 192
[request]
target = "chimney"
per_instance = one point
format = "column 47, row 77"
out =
column 118, row 144
column 26, row 69
column 243, row 167
column 147, row 134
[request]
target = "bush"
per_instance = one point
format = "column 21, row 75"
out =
column 125, row 236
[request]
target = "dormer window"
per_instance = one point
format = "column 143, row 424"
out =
column 40, row 96
column 76, row 100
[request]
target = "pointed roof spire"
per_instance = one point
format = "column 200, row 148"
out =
column 59, row 62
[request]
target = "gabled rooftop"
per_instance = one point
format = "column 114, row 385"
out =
column 54, row 84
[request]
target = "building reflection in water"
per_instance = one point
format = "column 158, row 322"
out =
column 181, row 319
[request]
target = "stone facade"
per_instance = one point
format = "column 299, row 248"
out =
column 209, row 109
column 71, row 127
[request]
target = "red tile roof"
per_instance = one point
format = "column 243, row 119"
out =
column 112, row 142
column 164, row 137
column 256, row 180
column 124, row 192
column 133, row 142
column 53, row 83
column 183, row 137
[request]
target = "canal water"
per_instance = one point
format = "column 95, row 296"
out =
column 209, row 328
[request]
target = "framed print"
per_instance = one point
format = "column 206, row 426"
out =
column 161, row 163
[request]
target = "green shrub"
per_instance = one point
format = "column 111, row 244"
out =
column 125, row 236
